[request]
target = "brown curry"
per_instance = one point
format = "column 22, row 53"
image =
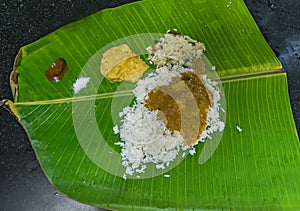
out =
column 183, row 105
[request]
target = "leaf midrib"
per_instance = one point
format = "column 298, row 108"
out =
column 129, row 92
column 78, row 99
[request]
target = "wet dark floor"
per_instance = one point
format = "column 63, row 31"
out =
column 23, row 185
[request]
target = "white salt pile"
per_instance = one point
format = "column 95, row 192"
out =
column 80, row 84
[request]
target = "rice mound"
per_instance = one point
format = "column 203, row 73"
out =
column 145, row 139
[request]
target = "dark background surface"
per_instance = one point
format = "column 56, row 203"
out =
column 23, row 185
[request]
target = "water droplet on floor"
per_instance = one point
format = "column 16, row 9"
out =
column 272, row 5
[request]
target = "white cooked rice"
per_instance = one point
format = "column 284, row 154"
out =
column 144, row 138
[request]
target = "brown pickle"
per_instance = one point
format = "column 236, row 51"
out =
column 57, row 70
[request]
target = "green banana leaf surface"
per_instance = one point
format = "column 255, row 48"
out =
column 72, row 134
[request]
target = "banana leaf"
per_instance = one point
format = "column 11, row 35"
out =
column 72, row 135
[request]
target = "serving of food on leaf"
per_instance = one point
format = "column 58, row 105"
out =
column 176, row 105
